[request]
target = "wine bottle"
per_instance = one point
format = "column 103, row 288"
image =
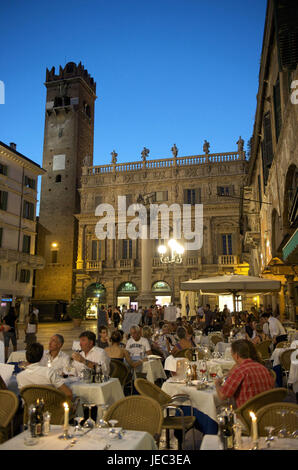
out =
column 39, row 417
column 32, row 420
column 194, row 357
column 227, row 434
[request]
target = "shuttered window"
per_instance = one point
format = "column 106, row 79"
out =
column 26, row 243
column 3, row 200
column 267, row 149
column 192, row 196
column 277, row 108
column 28, row 210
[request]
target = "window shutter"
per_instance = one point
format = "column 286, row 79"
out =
column 286, row 24
column 3, row 200
column 277, row 108
column 198, row 196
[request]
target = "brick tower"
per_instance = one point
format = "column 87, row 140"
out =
column 68, row 143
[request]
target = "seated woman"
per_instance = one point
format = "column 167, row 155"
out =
column 103, row 340
column 115, row 351
column 183, row 342
column 260, row 336
column 190, row 335
column 250, row 328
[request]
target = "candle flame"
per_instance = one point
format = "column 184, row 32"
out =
column 65, row 406
column 252, row 415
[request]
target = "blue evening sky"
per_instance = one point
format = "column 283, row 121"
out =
column 167, row 71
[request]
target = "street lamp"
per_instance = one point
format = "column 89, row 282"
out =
column 173, row 257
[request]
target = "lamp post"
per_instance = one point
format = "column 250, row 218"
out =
column 171, row 256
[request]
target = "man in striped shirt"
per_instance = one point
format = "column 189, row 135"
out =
column 247, row 379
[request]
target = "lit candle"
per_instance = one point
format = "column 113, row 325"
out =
column 66, row 416
column 254, row 426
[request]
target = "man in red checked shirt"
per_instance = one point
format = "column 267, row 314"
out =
column 247, row 379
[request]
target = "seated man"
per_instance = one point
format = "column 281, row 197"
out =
column 35, row 374
column 247, row 379
column 273, row 328
column 54, row 357
column 90, row 355
column 137, row 346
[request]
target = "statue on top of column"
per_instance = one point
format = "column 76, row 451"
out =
column 145, row 153
column 174, row 151
column 240, row 144
column 114, row 157
column 206, row 147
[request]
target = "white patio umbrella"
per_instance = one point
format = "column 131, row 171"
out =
column 235, row 284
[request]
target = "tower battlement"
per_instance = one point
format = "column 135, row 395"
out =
column 71, row 70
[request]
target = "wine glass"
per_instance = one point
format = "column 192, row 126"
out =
column 89, row 423
column 203, row 368
column 213, row 372
column 78, row 430
column 270, row 437
column 113, row 423
column 282, row 433
column 100, row 422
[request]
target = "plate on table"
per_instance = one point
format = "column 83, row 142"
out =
column 153, row 356
column 173, row 380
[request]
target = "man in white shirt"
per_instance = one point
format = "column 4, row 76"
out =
column 54, row 357
column 90, row 355
column 178, row 311
column 137, row 346
column 273, row 328
column 35, row 374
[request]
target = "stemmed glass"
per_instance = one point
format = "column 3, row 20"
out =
column 113, row 423
column 213, row 372
column 270, row 437
column 89, row 423
column 203, row 368
column 78, row 430
column 282, row 433
column 100, row 422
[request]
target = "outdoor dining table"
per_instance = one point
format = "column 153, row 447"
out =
column 212, row 442
column 154, row 370
column 221, row 364
column 105, row 393
column 96, row 439
column 293, row 372
column 204, row 403
column 17, row 356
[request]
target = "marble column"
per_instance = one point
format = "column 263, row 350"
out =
column 24, row 309
column 146, row 298
column 291, row 297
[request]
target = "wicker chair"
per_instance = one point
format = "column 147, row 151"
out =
column 263, row 349
column 215, row 339
column 184, row 353
column 285, row 362
column 200, row 354
column 53, row 400
column 181, row 423
column 269, row 416
column 257, row 402
column 9, row 404
column 282, row 344
column 137, row 413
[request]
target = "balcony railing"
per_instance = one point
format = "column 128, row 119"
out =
column 125, row 264
column 167, row 163
column 25, row 259
column 228, row 260
column 92, row 265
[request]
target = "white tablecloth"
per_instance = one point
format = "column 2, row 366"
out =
column 221, row 347
column 203, row 400
column 292, row 334
column 293, row 373
column 154, row 370
column 2, row 355
column 222, row 364
column 105, row 393
column 93, row 440
column 275, row 356
column 17, row 356
column 210, row 442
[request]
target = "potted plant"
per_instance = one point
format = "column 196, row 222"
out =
column 77, row 309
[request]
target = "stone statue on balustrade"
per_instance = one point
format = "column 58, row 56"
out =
column 114, row 157
column 174, row 151
column 206, row 147
column 145, row 153
column 87, row 161
column 240, row 144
